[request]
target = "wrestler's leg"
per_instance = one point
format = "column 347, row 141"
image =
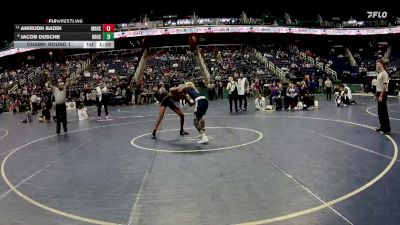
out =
column 160, row 117
column 182, row 119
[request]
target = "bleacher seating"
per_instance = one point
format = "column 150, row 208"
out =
column 171, row 66
column 225, row 61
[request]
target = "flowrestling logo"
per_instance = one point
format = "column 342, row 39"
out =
column 377, row 14
column 64, row 21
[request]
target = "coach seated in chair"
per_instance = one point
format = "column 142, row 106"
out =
column 305, row 97
column 275, row 93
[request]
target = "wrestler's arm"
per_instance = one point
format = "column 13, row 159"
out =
column 190, row 101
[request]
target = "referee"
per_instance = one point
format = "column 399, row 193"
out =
column 60, row 98
column 381, row 96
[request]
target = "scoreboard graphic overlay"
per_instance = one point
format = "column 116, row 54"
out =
column 71, row 36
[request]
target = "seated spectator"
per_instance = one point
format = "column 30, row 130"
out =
column 45, row 117
column 348, row 95
column 82, row 112
column 292, row 96
column 275, row 93
column 340, row 97
column 260, row 103
column 303, row 91
column 28, row 117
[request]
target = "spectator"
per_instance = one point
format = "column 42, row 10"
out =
column 102, row 98
column 292, row 94
column 34, row 104
column 243, row 90
column 340, row 97
column 260, row 103
column 232, row 93
column 328, row 89
column 349, row 95
column 211, row 90
column 320, row 84
column 220, row 90
column 374, row 83
column 46, row 116
column 82, row 112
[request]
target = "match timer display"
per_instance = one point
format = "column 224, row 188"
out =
column 73, row 36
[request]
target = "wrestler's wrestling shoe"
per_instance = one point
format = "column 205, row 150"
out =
column 182, row 133
column 153, row 135
column 203, row 140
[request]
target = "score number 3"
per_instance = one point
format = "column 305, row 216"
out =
column 108, row 32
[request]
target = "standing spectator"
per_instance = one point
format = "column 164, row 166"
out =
column 232, row 93
column 34, row 103
column 220, row 90
column 211, row 90
column 328, row 89
column 102, row 94
column 123, row 94
column 128, row 99
column 320, row 84
column 257, row 88
column 60, row 98
column 243, row 89
column 374, row 83
column 381, row 96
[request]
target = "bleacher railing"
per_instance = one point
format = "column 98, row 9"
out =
column 203, row 66
column 270, row 65
column 319, row 64
column 140, row 68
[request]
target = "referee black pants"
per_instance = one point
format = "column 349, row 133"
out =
column 61, row 115
column 328, row 93
column 383, row 112
column 99, row 104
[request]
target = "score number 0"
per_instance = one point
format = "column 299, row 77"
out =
column 108, row 32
